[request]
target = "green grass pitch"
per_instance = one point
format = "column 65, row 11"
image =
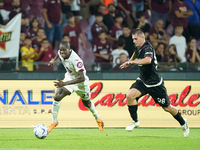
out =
column 93, row 139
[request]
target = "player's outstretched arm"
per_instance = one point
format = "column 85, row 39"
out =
column 128, row 63
column 144, row 61
column 78, row 79
column 53, row 61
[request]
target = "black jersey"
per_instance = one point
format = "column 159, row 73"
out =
column 148, row 73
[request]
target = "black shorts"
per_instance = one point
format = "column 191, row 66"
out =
column 158, row 93
column 76, row 13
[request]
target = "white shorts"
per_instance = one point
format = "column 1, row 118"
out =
column 81, row 90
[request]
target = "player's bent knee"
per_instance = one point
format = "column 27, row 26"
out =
column 167, row 109
column 57, row 98
column 133, row 94
column 86, row 103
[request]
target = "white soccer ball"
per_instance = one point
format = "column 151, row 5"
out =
column 41, row 131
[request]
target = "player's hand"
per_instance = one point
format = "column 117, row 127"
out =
column 59, row 83
column 51, row 63
column 125, row 65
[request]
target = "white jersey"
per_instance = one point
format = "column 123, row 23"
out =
column 73, row 65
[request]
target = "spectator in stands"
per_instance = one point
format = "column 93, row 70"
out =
column 16, row 8
column 160, row 51
column 116, row 30
column 102, row 50
column 97, row 26
column 122, row 59
column 74, row 31
column 36, row 43
column 85, row 7
column 5, row 10
column 181, row 13
column 137, row 5
column 192, row 54
column 170, row 54
column 45, row 54
column 28, row 54
column 66, row 8
column 67, row 38
column 157, row 34
column 101, row 9
column 109, row 19
column 126, row 8
column 128, row 39
column 194, row 24
column 179, row 41
column 141, row 24
column 1, row 18
column 34, row 26
column 53, row 18
column 21, row 43
column 170, row 59
column 159, row 10
column 22, row 38
column 75, row 9
column 115, row 54
column 108, row 2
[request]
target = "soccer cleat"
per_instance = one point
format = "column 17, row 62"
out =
column 100, row 123
column 53, row 125
column 132, row 126
column 185, row 129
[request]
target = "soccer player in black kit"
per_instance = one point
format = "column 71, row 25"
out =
column 149, row 82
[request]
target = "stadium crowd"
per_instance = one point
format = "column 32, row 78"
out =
column 99, row 31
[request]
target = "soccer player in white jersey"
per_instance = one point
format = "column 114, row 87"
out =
column 75, row 80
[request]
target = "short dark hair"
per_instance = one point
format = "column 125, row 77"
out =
column 65, row 34
column 40, row 28
column 69, row 15
column 111, row 4
column 137, row 31
column 121, row 42
column 98, row 14
column 101, row 5
column 65, row 44
column 118, row 15
column 28, row 38
column 126, row 26
column 179, row 25
column 139, row 14
column 102, row 31
column 45, row 39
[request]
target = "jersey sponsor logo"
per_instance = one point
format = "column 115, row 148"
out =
column 79, row 64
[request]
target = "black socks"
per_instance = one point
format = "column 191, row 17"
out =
column 179, row 118
column 133, row 112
